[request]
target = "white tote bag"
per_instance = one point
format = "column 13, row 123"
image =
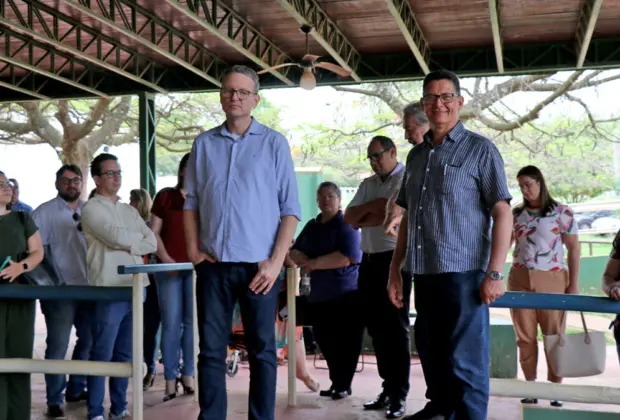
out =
column 576, row 355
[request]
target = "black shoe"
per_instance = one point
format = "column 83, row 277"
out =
column 55, row 412
column 326, row 392
column 427, row 413
column 381, row 402
column 529, row 401
column 338, row 395
column 556, row 403
column 82, row 396
column 396, row 409
column 148, row 381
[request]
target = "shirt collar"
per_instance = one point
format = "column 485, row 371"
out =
column 339, row 217
column 63, row 204
column 254, row 128
column 457, row 133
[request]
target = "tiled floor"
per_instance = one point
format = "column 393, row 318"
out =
column 366, row 385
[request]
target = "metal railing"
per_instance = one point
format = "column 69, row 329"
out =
column 499, row 387
column 135, row 370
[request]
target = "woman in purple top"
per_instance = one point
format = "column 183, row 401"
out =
column 329, row 250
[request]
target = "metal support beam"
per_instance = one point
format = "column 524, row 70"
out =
column 145, row 28
column 27, row 84
column 585, row 28
column 148, row 136
column 229, row 27
column 405, row 19
column 48, row 25
column 497, row 37
column 326, row 33
column 17, row 45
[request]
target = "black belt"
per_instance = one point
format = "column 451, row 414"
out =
column 376, row 255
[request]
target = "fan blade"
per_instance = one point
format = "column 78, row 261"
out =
column 277, row 67
column 310, row 57
column 334, row 68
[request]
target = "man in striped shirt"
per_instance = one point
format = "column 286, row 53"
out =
column 454, row 184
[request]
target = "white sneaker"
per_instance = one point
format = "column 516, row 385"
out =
column 121, row 416
column 98, row 418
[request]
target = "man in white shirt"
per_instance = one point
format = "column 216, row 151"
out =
column 58, row 221
column 116, row 235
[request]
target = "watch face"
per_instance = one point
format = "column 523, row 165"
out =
column 495, row 275
column 25, row 266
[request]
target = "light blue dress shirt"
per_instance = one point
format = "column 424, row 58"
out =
column 59, row 229
column 241, row 186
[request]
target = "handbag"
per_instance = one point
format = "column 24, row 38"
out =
column 576, row 355
column 44, row 274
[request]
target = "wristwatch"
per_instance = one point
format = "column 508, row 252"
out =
column 25, row 266
column 495, row 275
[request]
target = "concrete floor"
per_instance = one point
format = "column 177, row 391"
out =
column 366, row 385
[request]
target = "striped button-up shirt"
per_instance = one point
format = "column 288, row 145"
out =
column 449, row 192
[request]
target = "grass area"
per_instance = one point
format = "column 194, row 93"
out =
column 609, row 339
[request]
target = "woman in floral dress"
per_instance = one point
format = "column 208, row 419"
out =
column 542, row 228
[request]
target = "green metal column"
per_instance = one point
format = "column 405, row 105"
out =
column 148, row 137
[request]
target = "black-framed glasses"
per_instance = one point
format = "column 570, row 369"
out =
column 443, row 97
column 374, row 157
column 242, row 94
column 111, row 174
column 6, row 185
column 76, row 218
column 68, row 181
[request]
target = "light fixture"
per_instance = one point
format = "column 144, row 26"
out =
column 307, row 81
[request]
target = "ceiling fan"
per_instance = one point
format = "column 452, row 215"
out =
column 309, row 63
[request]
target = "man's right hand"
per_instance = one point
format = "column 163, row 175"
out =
column 196, row 257
column 395, row 289
column 391, row 223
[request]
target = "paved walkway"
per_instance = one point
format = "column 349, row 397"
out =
column 365, row 387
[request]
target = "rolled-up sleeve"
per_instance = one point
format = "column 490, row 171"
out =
column 288, row 196
column 349, row 240
column 191, row 181
column 494, row 186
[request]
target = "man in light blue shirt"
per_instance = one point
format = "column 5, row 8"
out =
column 241, row 212
column 58, row 221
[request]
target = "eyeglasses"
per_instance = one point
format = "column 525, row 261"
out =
column 111, row 174
column 76, row 218
column 375, row 157
column 69, row 181
column 242, row 94
column 445, row 98
column 6, row 186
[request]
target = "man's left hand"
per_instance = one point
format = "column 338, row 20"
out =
column 491, row 290
column 268, row 272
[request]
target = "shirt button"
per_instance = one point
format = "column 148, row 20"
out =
column 420, row 207
column 419, row 227
column 419, row 246
column 423, row 188
column 428, row 169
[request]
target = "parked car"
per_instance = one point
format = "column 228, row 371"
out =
column 585, row 220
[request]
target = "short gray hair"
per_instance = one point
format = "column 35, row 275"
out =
column 244, row 70
column 415, row 110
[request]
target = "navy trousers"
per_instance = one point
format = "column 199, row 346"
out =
column 219, row 286
column 452, row 338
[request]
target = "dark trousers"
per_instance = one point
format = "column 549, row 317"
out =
column 387, row 325
column 16, row 340
column 617, row 334
column 151, row 325
column 339, row 332
column 452, row 338
column 219, row 287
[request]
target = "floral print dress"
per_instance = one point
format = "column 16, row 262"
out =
column 538, row 240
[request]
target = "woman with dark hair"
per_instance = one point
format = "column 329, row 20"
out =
column 174, row 289
column 21, row 250
column 542, row 228
column 329, row 250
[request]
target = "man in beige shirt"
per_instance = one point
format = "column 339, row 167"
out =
column 116, row 235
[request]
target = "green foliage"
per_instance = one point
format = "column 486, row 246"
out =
column 576, row 165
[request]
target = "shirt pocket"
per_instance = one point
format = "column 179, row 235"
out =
column 452, row 179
